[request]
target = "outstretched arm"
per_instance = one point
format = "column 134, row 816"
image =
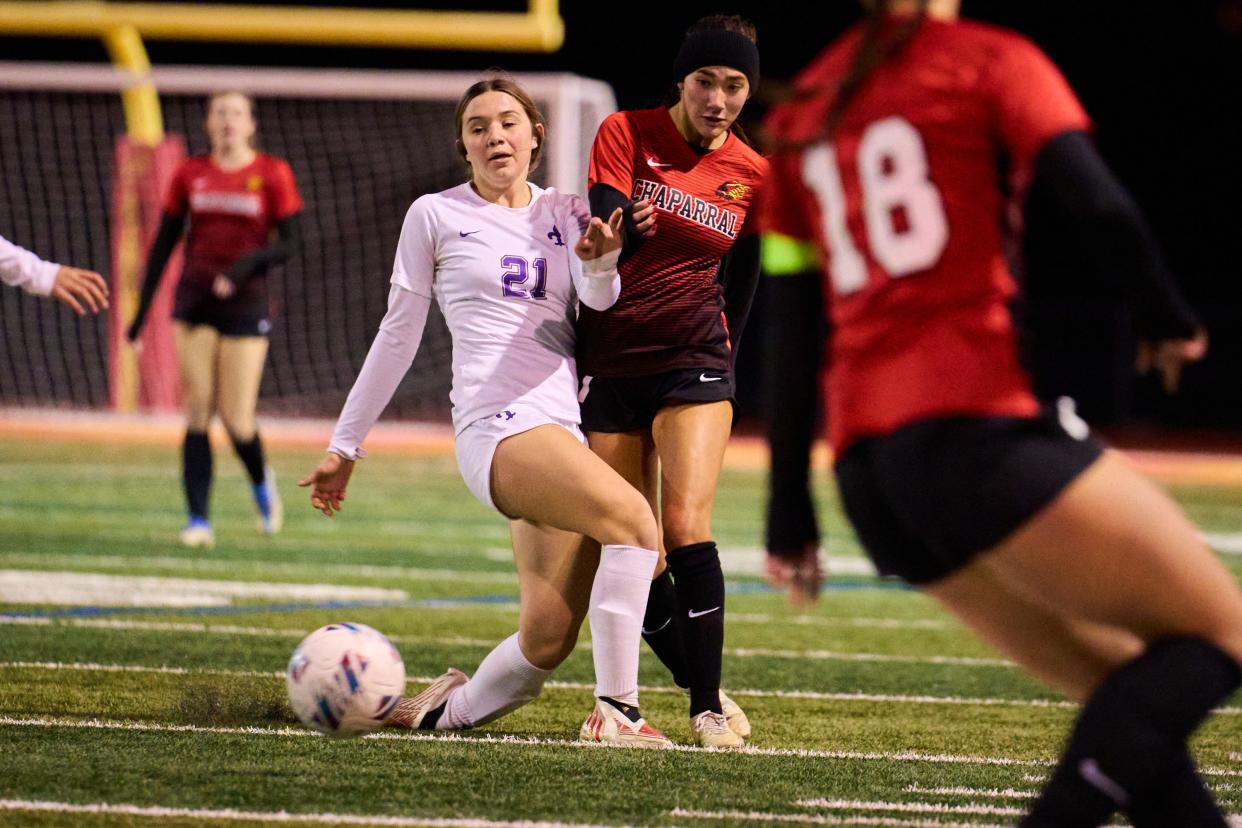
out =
column 391, row 355
column 79, row 289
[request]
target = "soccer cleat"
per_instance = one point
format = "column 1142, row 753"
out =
column 610, row 726
column 197, row 533
column 412, row 713
column 711, row 730
column 267, row 501
column 735, row 716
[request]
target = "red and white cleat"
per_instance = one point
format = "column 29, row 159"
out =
column 610, row 726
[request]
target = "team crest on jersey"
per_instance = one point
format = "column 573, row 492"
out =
column 555, row 236
column 733, row 190
column 254, row 183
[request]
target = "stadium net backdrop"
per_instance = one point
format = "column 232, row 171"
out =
column 362, row 144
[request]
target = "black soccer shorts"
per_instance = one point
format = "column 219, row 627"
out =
column 622, row 404
column 930, row 497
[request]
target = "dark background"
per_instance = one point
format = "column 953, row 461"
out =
column 1163, row 82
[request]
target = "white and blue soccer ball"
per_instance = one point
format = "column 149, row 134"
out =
column 345, row 679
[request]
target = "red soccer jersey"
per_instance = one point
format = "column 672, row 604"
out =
column 231, row 213
column 671, row 310
column 907, row 206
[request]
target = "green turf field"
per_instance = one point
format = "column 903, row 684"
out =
column 872, row 709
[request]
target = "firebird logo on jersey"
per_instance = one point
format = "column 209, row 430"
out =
column 688, row 206
column 254, row 183
column 733, row 190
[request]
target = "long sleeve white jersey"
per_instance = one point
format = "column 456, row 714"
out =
column 508, row 282
column 21, row 268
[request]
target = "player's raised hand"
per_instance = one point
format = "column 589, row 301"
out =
column 77, row 288
column 601, row 238
column 1169, row 356
column 327, row 483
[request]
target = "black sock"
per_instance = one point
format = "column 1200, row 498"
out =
column 662, row 628
column 251, row 454
column 431, row 717
column 1132, row 731
column 699, row 583
column 196, row 472
column 629, row 711
column 1178, row 798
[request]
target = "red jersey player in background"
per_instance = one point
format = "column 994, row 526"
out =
column 657, row 367
column 1047, row 545
column 242, row 207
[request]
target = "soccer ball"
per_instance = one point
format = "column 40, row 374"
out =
column 345, row 679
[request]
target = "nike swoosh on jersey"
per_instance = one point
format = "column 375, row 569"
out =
column 463, row 233
column 706, row 378
column 655, row 163
column 694, row 614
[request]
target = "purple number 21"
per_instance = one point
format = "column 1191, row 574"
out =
column 515, row 274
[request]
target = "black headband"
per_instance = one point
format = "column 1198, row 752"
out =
column 718, row 48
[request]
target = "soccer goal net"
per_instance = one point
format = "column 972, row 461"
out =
column 362, row 144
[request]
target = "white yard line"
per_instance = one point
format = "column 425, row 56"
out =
column 539, row 742
column 526, row 741
column 291, row 568
column 992, row 793
column 580, row 685
column 232, row 815
column 973, row 808
column 1227, row 543
column 823, row 819
column 18, row 586
column 736, row 652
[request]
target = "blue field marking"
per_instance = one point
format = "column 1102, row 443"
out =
column 731, row 588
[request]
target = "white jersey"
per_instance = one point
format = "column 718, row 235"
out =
column 501, row 276
column 508, row 282
column 21, row 268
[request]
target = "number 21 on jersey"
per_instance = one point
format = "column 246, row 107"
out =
column 893, row 174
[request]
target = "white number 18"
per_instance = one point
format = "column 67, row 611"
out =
column 892, row 167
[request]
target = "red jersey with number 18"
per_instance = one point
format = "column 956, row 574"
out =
column 671, row 310
column 907, row 203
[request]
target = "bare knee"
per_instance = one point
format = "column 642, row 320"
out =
column 628, row 521
column 686, row 524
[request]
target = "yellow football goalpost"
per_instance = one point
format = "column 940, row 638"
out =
column 122, row 26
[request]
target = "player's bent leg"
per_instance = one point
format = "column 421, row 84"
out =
column 239, row 377
column 197, row 347
column 555, row 570
column 549, row 477
column 1115, row 550
column 1112, row 549
column 1071, row 655
column 632, row 455
column 690, row 440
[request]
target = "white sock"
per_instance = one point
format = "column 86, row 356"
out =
column 504, row 682
column 618, row 603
